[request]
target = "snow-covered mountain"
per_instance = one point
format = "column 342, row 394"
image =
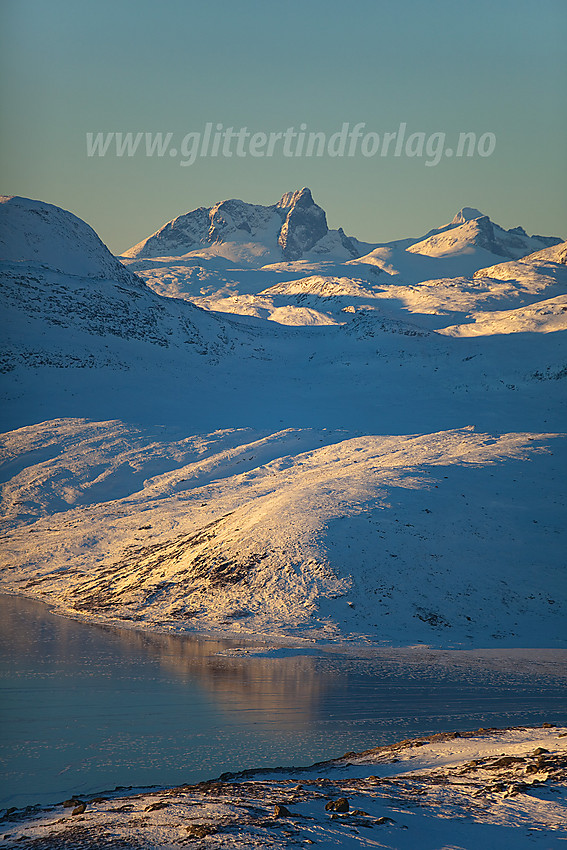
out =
column 375, row 469
column 250, row 233
column 71, row 302
column 470, row 229
column 549, row 262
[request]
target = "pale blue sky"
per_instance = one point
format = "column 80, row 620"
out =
column 70, row 66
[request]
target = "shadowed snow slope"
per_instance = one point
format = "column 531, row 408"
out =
column 34, row 232
column 356, row 473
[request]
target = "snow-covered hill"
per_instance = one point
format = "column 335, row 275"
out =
column 36, row 233
column 427, row 292
column 354, row 473
column 73, row 304
column 301, row 532
column 548, row 263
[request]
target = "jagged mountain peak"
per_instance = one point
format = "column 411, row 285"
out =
column 301, row 197
column 250, row 233
column 466, row 214
column 254, row 235
column 304, row 226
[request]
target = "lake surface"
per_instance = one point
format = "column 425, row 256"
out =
column 85, row 708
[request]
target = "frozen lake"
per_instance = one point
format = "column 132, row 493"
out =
column 85, row 708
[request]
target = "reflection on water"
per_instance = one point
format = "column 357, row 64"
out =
column 288, row 693
column 87, row 707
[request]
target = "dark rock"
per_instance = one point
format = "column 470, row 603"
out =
column 347, row 243
column 280, row 811
column 341, row 805
column 433, row 618
column 515, row 789
column 539, row 751
column 201, row 830
column 78, row 810
column 505, row 761
column 153, row 807
column 304, row 225
column 73, row 801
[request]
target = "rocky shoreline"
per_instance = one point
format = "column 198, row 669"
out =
column 489, row 788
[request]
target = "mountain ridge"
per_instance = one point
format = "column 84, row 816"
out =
column 291, row 228
column 296, row 228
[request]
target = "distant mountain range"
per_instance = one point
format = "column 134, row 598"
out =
column 296, row 228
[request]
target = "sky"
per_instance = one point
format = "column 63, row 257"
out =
column 496, row 69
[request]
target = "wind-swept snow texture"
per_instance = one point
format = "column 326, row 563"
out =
column 328, row 449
